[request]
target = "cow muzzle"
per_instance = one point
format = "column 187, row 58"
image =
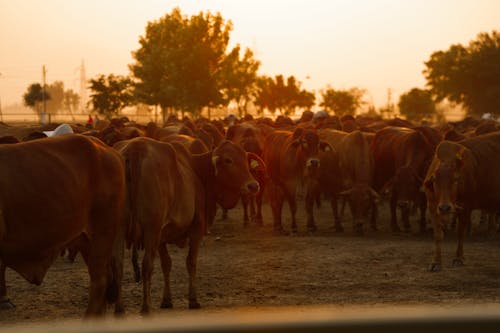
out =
column 251, row 187
column 445, row 208
column 313, row 163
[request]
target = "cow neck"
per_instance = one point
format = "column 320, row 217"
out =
column 204, row 169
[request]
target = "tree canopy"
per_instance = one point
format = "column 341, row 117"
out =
column 110, row 94
column 275, row 94
column 183, row 63
column 35, row 96
column 342, row 102
column 469, row 75
column 417, row 104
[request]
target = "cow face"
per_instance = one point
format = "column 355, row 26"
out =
column 444, row 181
column 361, row 198
column 308, row 148
column 232, row 174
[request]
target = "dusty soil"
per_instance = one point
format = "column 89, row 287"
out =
column 249, row 267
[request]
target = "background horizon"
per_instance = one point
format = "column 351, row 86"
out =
column 373, row 45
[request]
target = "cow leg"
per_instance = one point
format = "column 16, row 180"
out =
column 276, row 197
column 5, row 302
column 463, row 224
column 245, row 201
column 405, row 216
column 194, row 246
column 258, row 203
column 423, row 221
column 393, row 208
column 335, row 211
column 150, row 247
column 373, row 220
column 311, row 196
column 251, row 207
column 98, row 265
column 166, row 266
column 135, row 264
column 292, row 203
column 437, row 224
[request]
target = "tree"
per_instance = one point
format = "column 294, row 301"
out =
column 275, row 94
column 71, row 101
column 56, row 92
column 468, row 75
column 110, row 94
column 238, row 78
column 178, row 64
column 417, row 105
column 342, row 102
column 35, row 96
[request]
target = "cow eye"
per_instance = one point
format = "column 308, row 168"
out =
column 228, row 160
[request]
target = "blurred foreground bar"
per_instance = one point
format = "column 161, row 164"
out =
column 315, row 319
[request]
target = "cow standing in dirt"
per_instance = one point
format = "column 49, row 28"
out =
column 463, row 176
column 172, row 197
column 292, row 159
column 55, row 191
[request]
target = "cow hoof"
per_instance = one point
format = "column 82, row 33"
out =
column 434, row 267
column 6, row 305
column 258, row 221
column 194, row 305
column 339, row 228
column 312, row 228
column 457, row 262
column 165, row 304
column 396, row 229
column 119, row 311
column 280, row 232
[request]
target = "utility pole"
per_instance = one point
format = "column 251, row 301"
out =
column 44, row 92
column 83, row 88
column 1, row 115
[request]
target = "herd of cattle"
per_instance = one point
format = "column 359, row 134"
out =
column 123, row 185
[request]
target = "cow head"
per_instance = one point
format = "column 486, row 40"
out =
column 443, row 180
column 308, row 147
column 232, row 173
column 361, row 198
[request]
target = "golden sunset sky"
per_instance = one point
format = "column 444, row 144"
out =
column 370, row 44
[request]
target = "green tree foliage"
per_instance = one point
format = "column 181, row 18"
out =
column 71, row 101
column 56, row 92
column 469, row 75
column 276, row 95
column 238, row 78
column 110, row 94
column 182, row 62
column 342, row 102
column 35, row 96
column 417, row 105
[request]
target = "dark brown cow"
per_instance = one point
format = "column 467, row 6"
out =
column 401, row 157
column 52, row 192
column 291, row 159
column 172, row 197
column 356, row 174
column 463, row 176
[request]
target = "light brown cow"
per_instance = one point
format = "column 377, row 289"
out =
column 52, row 192
column 463, row 176
column 172, row 197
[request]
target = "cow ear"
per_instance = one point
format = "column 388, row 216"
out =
column 255, row 163
column 345, row 193
column 428, row 184
column 375, row 196
column 325, row 146
column 460, row 157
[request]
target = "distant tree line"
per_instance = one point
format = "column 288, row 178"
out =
column 184, row 64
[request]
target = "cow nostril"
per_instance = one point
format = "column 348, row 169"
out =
column 314, row 163
column 444, row 208
column 253, row 187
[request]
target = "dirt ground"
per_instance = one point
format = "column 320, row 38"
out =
column 249, row 267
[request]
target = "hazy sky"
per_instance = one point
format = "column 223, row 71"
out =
column 370, row 44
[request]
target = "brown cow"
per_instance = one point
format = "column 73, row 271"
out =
column 291, row 159
column 401, row 157
column 172, row 197
column 463, row 176
column 52, row 192
column 356, row 173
